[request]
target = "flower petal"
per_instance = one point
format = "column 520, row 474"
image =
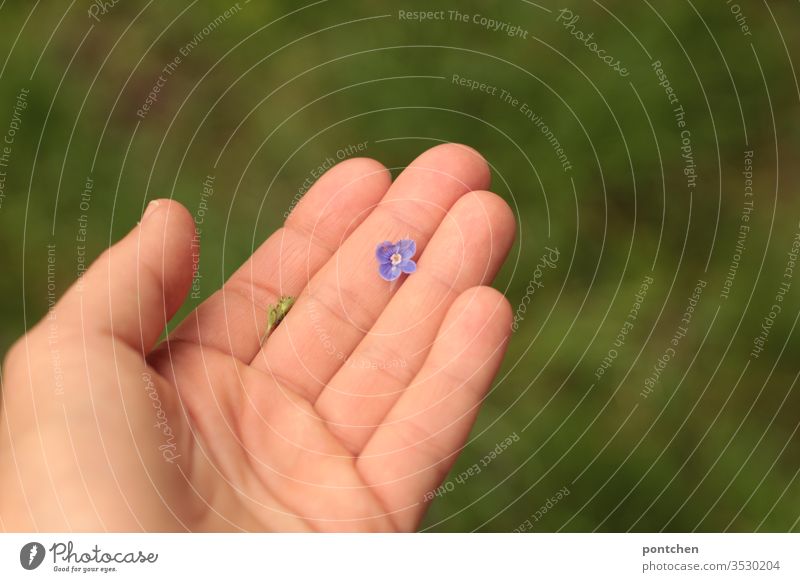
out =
column 408, row 266
column 385, row 250
column 407, row 248
column 389, row 272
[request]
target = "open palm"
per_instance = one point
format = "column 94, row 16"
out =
column 351, row 411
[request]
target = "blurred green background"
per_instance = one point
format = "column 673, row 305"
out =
column 267, row 94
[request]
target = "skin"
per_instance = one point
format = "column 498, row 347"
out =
column 353, row 409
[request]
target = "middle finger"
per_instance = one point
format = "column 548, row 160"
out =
column 344, row 299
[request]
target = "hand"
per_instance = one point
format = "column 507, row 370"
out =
column 351, row 411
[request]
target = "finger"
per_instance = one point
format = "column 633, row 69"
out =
column 134, row 288
column 343, row 301
column 234, row 318
column 467, row 250
column 414, row 448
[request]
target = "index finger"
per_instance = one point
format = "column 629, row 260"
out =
column 234, row 318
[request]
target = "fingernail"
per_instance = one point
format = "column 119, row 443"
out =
column 150, row 208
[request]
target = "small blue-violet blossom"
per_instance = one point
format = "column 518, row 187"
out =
column 395, row 258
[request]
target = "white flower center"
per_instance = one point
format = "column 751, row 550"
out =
column 396, row 259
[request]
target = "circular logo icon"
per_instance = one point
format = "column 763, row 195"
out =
column 31, row 555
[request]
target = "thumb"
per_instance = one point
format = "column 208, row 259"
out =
column 135, row 287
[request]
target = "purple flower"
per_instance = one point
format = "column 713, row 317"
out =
column 395, row 258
